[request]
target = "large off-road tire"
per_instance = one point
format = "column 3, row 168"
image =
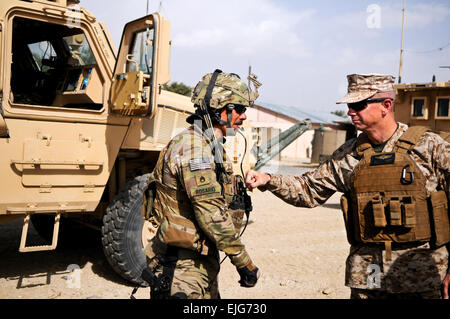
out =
column 122, row 231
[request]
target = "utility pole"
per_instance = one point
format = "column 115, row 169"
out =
column 401, row 45
column 146, row 13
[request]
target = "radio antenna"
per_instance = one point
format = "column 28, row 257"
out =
column 401, row 45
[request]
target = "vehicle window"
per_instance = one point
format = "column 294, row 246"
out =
column 42, row 51
column 53, row 65
column 141, row 52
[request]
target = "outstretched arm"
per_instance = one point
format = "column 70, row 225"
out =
column 314, row 187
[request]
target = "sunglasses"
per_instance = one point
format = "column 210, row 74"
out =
column 239, row 108
column 359, row 106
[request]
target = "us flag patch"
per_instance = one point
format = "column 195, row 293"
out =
column 196, row 164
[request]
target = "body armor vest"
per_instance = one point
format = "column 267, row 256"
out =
column 388, row 199
column 171, row 211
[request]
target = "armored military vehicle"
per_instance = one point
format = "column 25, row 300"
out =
column 81, row 125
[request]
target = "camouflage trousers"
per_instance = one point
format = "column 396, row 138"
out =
column 356, row 293
column 195, row 276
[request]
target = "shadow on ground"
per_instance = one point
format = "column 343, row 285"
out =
column 78, row 252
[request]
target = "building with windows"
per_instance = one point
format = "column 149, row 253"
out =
column 424, row 104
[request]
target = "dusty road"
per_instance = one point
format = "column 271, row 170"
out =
column 301, row 253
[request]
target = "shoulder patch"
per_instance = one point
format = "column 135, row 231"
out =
column 203, row 179
column 196, row 164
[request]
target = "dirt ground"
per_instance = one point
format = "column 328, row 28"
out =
column 301, row 253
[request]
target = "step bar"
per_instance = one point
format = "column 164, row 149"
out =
column 24, row 249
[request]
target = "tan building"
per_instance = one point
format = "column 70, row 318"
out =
column 426, row 104
column 268, row 120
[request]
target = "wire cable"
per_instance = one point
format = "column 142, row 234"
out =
column 428, row 51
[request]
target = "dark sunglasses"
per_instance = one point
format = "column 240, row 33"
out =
column 359, row 106
column 239, row 108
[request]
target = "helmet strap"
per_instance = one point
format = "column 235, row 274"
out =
column 207, row 101
column 210, row 88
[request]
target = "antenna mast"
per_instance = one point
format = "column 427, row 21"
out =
column 401, row 46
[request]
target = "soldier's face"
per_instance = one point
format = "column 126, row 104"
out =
column 369, row 116
column 364, row 118
column 237, row 119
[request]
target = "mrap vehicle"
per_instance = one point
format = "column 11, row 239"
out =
column 81, row 125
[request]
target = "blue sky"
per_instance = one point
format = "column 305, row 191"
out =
column 300, row 50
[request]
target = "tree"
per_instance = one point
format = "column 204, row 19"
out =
column 179, row 88
column 340, row 113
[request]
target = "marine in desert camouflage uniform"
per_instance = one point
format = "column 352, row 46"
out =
column 412, row 270
column 192, row 202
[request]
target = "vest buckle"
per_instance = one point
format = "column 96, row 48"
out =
column 403, row 179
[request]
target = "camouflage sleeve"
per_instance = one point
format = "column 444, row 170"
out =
column 217, row 224
column 438, row 152
column 315, row 187
column 432, row 153
column 198, row 177
column 441, row 156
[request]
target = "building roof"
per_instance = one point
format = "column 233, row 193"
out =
column 316, row 116
column 421, row 86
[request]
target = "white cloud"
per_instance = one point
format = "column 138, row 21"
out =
column 200, row 38
column 302, row 55
column 386, row 57
column 301, row 51
column 243, row 28
column 419, row 15
column 346, row 56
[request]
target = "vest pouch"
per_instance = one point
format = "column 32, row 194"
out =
column 395, row 212
column 440, row 220
column 409, row 212
column 176, row 230
column 235, row 199
column 237, row 216
column 348, row 219
column 378, row 209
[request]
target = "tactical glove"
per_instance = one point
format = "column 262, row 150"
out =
column 249, row 275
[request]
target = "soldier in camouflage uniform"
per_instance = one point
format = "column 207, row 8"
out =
column 398, row 270
column 195, row 189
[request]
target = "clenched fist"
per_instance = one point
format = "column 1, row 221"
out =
column 254, row 179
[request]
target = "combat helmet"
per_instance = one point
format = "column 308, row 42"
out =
column 219, row 90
